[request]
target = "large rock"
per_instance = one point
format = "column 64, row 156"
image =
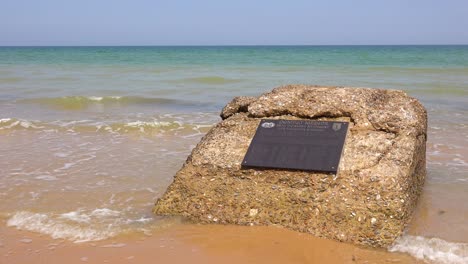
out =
column 369, row 201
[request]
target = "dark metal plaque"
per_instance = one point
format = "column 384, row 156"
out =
column 297, row 144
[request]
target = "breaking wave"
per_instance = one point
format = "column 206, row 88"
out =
column 151, row 126
column 82, row 102
column 85, row 225
column 12, row 123
column 72, row 226
column 434, row 250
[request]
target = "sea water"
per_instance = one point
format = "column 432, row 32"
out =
column 90, row 137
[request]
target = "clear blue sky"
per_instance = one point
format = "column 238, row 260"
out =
column 235, row 22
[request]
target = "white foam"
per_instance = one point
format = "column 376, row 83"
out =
column 12, row 123
column 103, row 212
column 119, row 245
column 26, row 240
column 81, row 216
column 58, row 228
column 100, row 98
column 141, row 220
column 61, row 154
column 95, row 98
column 148, row 124
column 46, row 178
column 434, row 250
column 71, row 123
column 76, row 216
column 66, row 166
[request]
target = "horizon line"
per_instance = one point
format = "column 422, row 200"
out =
column 233, row 45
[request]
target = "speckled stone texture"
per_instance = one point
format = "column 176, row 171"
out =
column 368, row 202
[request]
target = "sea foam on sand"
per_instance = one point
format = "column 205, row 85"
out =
column 73, row 226
column 434, row 250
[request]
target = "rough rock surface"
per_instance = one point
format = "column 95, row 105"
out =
column 368, row 202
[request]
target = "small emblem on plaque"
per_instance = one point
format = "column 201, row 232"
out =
column 268, row 125
column 336, row 126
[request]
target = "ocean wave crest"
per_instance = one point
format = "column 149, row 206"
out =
column 82, row 102
column 139, row 126
column 12, row 123
column 434, row 250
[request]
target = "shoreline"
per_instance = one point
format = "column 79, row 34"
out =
column 192, row 243
column 86, row 158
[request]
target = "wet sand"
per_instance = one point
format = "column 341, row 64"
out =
column 440, row 213
column 188, row 243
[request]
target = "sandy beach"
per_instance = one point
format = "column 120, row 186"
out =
column 188, row 243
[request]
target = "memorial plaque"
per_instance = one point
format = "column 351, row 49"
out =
column 297, row 144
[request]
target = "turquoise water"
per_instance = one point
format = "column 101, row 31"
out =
column 153, row 71
column 208, row 77
column 105, row 128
